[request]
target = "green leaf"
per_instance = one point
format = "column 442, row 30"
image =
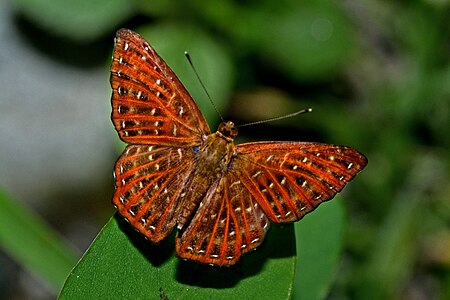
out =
column 34, row 245
column 80, row 20
column 320, row 238
column 121, row 264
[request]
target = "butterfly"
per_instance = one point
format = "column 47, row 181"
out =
column 175, row 172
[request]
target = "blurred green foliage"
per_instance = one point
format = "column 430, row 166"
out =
column 377, row 74
column 33, row 244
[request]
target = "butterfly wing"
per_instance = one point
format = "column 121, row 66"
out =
column 145, row 176
column 227, row 224
column 150, row 104
column 290, row 179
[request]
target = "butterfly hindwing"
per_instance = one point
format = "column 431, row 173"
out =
column 227, row 224
column 144, row 195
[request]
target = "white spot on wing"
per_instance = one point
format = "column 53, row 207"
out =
column 235, row 183
column 174, row 131
column 257, row 174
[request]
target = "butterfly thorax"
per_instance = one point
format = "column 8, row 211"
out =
column 211, row 163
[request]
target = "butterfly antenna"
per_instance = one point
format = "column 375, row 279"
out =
column 303, row 111
column 203, row 86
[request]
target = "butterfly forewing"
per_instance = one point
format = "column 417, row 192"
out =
column 145, row 177
column 290, row 179
column 150, row 105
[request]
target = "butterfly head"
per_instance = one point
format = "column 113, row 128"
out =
column 228, row 129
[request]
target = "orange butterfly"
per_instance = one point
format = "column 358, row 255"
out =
column 175, row 172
